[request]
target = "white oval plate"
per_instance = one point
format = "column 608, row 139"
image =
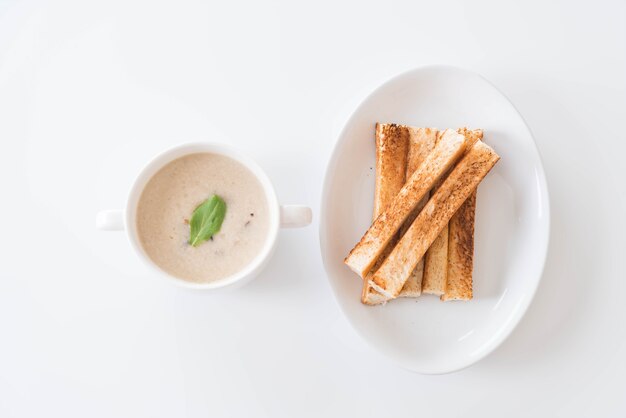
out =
column 512, row 222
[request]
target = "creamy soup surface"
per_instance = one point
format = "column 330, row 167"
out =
column 169, row 199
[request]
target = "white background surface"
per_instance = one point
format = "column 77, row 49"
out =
column 89, row 91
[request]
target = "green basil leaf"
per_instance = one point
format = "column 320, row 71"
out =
column 206, row 220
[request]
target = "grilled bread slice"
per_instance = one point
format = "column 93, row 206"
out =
column 390, row 140
column 456, row 188
column 363, row 256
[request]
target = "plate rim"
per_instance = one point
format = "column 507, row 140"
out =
column 543, row 184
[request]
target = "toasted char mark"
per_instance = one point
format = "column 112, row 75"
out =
column 363, row 256
column 461, row 252
column 456, row 188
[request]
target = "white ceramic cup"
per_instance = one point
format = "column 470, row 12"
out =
column 280, row 216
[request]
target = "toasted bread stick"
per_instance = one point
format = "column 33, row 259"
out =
column 392, row 143
column 392, row 147
column 459, row 281
column 455, row 189
column 436, row 258
column 421, row 142
column 368, row 250
column 461, row 252
column 420, row 145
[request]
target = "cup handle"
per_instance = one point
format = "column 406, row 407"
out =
column 295, row 216
column 110, row 220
